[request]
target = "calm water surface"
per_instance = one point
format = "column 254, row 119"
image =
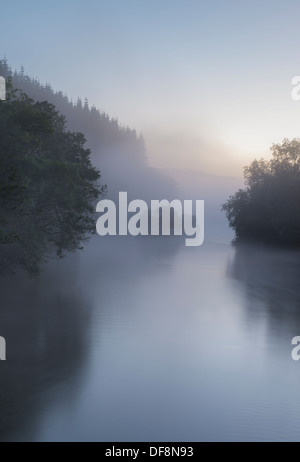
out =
column 153, row 341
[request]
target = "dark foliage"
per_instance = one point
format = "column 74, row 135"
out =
column 48, row 186
column 118, row 151
column 268, row 209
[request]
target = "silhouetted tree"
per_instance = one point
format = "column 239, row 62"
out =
column 268, row 209
column 48, row 185
column 119, row 152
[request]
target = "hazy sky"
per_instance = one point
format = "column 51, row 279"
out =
column 207, row 82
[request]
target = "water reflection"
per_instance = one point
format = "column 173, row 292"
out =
column 45, row 325
column 270, row 280
column 48, row 327
column 152, row 341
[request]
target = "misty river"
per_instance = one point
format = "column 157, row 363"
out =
column 149, row 340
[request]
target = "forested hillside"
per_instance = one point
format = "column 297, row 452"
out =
column 119, row 152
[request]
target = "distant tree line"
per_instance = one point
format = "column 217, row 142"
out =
column 268, row 208
column 104, row 134
column 43, row 151
column 118, row 151
column 48, row 185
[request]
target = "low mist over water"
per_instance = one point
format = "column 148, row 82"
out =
column 153, row 341
column 143, row 147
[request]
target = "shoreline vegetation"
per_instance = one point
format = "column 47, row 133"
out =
column 267, row 210
column 52, row 151
column 48, row 185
